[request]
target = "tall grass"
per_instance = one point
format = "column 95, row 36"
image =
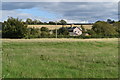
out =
column 60, row 59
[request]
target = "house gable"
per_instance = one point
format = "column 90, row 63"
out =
column 75, row 31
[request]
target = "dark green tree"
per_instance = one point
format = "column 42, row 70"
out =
column 51, row 22
column 44, row 29
column 116, row 25
column 103, row 28
column 33, row 33
column 62, row 22
column 63, row 31
column 14, row 28
column 37, row 22
column 110, row 21
column 44, row 32
column 29, row 21
column 83, row 29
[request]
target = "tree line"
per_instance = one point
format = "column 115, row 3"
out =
column 17, row 28
column 38, row 22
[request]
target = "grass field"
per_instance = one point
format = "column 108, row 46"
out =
column 60, row 58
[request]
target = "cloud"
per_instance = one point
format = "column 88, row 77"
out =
column 71, row 11
column 84, row 11
column 17, row 5
column 13, row 13
column 75, row 21
column 60, row 1
column 20, row 15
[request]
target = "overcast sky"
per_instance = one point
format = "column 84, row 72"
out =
column 53, row 11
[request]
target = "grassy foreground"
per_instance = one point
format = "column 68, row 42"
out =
column 60, row 59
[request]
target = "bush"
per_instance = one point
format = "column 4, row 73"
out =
column 14, row 28
column 45, row 29
column 103, row 28
column 63, row 31
column 32, row 33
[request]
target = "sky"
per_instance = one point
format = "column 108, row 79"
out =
column 72, row 12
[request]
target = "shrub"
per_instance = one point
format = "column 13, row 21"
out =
column 14, row 28
column 103, row 28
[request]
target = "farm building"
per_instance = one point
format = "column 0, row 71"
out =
column 75, row 31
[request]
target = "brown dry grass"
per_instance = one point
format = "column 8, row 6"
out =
column 58, row 40
column 51, row 27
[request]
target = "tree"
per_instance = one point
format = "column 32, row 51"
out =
column 29, row 21
column 44, row 29
column 63, row 22
column 51, row 22
column 63, row 31
column 44, row 32
column 116, row 25
column 37, row 22
column 14, row 28
column 91, row 32
column 83, row 29
column 1, row 26
column 103, row 28
column 33, row 33
column 110, row 21
column 45, row 23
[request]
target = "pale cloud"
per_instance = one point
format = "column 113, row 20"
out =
column 60, row 0
column 76, row 21
column 20, row 15
column 13, row 13
column 71, row 11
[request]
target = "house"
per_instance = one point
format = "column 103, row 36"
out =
column 75, row 31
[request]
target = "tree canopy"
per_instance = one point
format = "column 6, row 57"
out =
column 63, row 31
column 14, row 28
column 103, row 28
column 116, row 25
column 63, row 22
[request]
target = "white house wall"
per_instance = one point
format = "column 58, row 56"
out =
column 77, row 31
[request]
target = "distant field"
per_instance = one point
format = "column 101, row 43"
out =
column 60, row 58
column 52, row 27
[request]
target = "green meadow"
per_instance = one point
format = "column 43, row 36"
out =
column 60, row 59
